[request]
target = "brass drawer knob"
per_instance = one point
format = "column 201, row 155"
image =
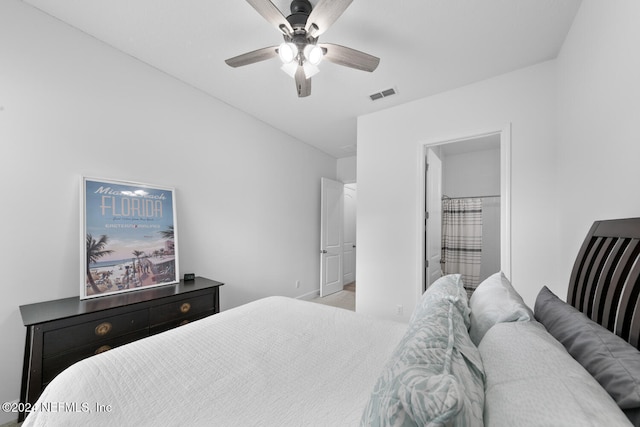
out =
column 185, row 307
column 102, row 349
column 103, row 328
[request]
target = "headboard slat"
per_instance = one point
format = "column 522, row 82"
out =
column 615, row 288
column 594, row 278
column 585, row 274
column 634, row 334
column 605, row 280
column 629, row 298
column 579, row 264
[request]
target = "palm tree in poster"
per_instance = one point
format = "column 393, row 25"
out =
column 168, row 233
column 95, row 251
column 137, row 254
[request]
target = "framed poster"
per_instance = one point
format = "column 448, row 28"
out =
column 129, row 237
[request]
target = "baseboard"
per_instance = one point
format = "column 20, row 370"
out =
column 309, row 295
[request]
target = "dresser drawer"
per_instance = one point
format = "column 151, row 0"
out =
column 156, row 329
column 71, row 337
column 179, row 310
column 52, row 366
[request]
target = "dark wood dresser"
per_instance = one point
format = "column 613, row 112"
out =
column 65, row 331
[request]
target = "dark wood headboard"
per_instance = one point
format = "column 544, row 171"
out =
column 605, row 281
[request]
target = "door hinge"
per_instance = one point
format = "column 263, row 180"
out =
column 426, row 215
column 426, row 263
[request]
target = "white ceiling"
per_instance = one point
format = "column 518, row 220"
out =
column 425, row 46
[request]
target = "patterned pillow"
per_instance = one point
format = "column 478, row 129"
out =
column 435, row 375
column 445, row 286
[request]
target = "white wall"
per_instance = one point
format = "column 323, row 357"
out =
column 388, row 181
column 475, row 173
column 599, row 119
column 347, row 169
column 248, row 196
column 574, row 157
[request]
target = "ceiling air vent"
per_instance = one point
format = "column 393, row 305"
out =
column 383, row 94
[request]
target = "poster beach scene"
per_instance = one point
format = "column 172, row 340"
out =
column 130, row 237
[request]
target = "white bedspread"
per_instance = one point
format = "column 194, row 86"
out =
column 276, row 361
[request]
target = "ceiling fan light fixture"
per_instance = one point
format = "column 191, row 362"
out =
column 313, row 54
column 310, row 70
column 300, row 53
column 290, row 68
column 287, row 52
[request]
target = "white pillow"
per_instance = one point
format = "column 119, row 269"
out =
column 495, row 301
column 531, row 380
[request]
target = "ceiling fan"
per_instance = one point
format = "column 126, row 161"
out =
column 300, row 52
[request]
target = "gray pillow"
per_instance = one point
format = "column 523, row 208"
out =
column 495, row 301
column 612, row 361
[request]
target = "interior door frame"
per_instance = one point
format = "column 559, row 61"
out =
column 505, row 193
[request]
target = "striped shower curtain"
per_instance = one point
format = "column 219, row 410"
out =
column 462, row 240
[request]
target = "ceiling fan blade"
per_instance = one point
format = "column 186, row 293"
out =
column 348, row 57
column 252, row 57
column 324, row 14
column 303, row 84
column 272, row 14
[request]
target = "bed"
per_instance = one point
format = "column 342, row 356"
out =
column 488, row 360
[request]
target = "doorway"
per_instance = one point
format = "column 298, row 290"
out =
column 337, row 236
column 338, row 244
column 475, row 167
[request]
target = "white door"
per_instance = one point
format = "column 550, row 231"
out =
column 349, row 246
column 433, row 227
column 331, row 222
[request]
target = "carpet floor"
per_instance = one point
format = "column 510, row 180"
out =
column 343, row 299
